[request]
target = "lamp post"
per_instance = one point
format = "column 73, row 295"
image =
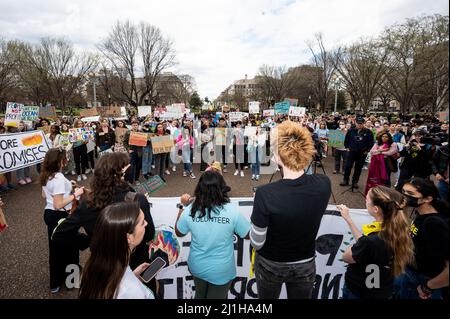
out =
column 94, row 82
column 336, row 87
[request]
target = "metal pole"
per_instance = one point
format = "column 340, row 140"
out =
column 95, row 94
column 335, row 97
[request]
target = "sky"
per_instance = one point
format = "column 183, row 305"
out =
column 216, row 41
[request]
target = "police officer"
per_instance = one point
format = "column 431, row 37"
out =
column 358, row 141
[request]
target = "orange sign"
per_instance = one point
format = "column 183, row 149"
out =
column 138, row 139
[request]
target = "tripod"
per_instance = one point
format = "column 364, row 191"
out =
column 353, row 190
column 318, row 161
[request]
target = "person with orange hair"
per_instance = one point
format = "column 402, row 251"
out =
column 286, row 217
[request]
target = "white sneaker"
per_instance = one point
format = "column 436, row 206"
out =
column 242, row 173
column 88, row 171
column 73, row 173
column 236, row 172
column 257, row 177
column 174, row 169
column 184, row 174
column 167, row 172
column 84, row 177
column 192, row 175
column 153, row 166
column 79, row 178
column 253, row 177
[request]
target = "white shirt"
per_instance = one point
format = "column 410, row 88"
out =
column 58, row 185
column 131, row 287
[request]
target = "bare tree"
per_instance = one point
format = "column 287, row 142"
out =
column 322, row 60
column 274, row 83
column 138, row 50
column 8, row 63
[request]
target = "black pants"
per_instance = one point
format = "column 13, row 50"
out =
column 220, row 154
column 51, row 218
column 160, row 164
column 354, row 158
column 203, row 164
column 91, row 162
column 338, row 155
column 134, row 170
column 80, row 158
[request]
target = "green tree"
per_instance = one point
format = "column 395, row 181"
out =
column 195, row 101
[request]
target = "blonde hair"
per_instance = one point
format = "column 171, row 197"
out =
column 293, row 144
column 396, row 226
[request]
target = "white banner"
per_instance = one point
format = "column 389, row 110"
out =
column 270, row 112
column 19, row 150
column 253, row 107
column 333, row 238
column 91, row 119
column 170, row 115
column 297, row 111
column 13, row 114
column 174, row 108
column 236, row 116
column 144, row 110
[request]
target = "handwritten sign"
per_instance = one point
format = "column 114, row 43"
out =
column 138, row 139
column 89, row 112
column 150, row 186
column 120, row 134
column 30, row 113
column 81, row 134
column 282, row 107
column 161, row 144
column 297, row 111
column 144, row 110
column 13, row 114
column 270, row 112
column 292, row 102
column 336, row 138
column 236, row 116
column 253, row 107
column 47, row 111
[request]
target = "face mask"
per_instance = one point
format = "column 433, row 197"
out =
column 412, row 201
column 377, row 125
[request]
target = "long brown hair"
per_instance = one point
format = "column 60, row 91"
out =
column 52, row 164
column 110, row 252
column 396, row 226
column 107, row 178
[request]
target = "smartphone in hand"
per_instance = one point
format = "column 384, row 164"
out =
column 151, row 271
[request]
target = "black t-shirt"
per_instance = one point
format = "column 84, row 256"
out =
column 370, row 250
column 292, row 210
column 430, row 236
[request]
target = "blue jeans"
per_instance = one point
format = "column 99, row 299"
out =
column 270, row 276
column 443, row 190
column 347, row 294
column 405, row 286
column 186, row 155
column 147, row 157
column 256, row 163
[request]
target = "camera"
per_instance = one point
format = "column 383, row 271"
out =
column 179, row 206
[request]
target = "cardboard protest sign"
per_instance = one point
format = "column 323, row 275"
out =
column 443, row 116
column 89, row 112
column 253, row 107
column 282, row 108
column 19, row 150
column 236, row 116
column 120, row 134
column 138, row 139
column 297, row 111
column 336, row 138
column 292, row 102
column 332, row 239
column 144, row 110
column 30, row 113
column 112, row 111
column 47, row 111
column 13, row 114
column 150, row 186
column 81, row 134
column 161, row 144
column 270, row 112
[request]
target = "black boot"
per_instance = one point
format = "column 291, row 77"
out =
column 344, row 183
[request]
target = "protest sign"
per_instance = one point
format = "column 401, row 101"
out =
column 64, row 140
column 30, row 113
column 336, row 138
column 253, row 107
column 89, row 112
column 443, row 116
column 19, row 150
column 236, row 116
column 81, row 134
column 161, row 144
column 144, row 110
column 91, row 119
column 112, row 111
column 177, row 107
column 47, row 111
column 120, row 134
column 270, row 112
column 190, row 116
column 292, row 102
column 13, row 114
column 333, row 238
column 297, row 111
column 150, row 186
column 282, row 108
column 123, row 111
column 138, row 138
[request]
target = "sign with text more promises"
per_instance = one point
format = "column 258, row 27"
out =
column 19, row 150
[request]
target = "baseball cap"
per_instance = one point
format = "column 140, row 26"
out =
column 360, row 120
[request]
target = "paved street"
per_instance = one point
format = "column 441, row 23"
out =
column 24, row 247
